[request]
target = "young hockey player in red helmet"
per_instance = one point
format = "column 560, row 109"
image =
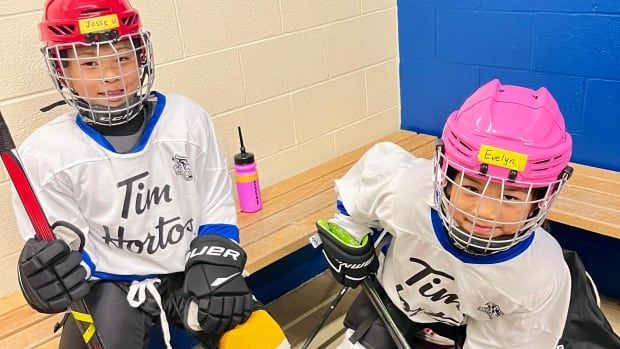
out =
column 136, row 187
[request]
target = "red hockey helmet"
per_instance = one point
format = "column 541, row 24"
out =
column 71, row 21
column 107, row 34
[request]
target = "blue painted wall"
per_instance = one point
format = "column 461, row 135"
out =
column 450, row 47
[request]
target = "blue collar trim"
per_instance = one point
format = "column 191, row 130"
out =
column 444, row 239
column 146, row 134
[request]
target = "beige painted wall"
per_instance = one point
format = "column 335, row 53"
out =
column 306, row 79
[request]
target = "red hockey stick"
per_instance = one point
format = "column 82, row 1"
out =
column 41, row 226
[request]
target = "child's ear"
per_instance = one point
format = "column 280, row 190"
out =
column 447, row 189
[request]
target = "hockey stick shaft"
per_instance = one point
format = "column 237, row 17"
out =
column 10, row 158
column 373, row 290
column 328, row 312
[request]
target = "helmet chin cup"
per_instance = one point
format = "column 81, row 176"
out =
column 109, row 116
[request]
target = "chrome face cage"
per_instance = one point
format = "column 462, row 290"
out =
column 480, row 245
column 96, row 110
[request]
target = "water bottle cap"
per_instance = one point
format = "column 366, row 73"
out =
column 244, row 158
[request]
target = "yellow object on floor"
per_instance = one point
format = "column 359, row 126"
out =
column 261, row 331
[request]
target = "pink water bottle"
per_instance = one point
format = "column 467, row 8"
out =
column 246, row 177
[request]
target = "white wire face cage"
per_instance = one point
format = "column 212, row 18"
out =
column 115, row 86
column 534, row 208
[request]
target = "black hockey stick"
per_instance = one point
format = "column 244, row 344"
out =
column 328, row 312
column 10, row 158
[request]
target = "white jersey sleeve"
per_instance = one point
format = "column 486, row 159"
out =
column 366, row 191
column 219, row 215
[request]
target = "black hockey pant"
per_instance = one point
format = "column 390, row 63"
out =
column 122, row 327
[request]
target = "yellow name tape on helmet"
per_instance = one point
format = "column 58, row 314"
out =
column 502, row 158
column 99, row 24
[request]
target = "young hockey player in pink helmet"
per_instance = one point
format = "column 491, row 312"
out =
column 466, row 262
column 139, row 240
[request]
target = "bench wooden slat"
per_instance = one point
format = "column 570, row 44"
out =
column 585, row 195
column 597, row 185
column 288, row 240
column 586, row 216
column 18, row 319
column 37, row 333
column 54, row 343
column 286, row 185
column 12, row 302
column 596, row 172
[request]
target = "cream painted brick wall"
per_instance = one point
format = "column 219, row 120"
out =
column 301, row 14
column 9, row 275
column 267, row 128
column 23, row 70
column 283, row 64
column 325, row 107
column 8, row 233
column 9, row 7
column 162, row 22
column 214, row 80
column 362, row 41
column 373, row 5
column 213, row 25
column 307, row 80
column 382, row 91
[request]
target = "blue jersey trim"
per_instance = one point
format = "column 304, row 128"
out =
column 112, row 277
column 499, row 257
column 146, row 134
column 341, row 208
column 150, row 126
column 226, row 230
column 92, row 133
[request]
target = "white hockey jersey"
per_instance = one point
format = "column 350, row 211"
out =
column 138, row 211
column 513, row 299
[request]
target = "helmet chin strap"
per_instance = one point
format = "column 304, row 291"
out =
column 109, row 116
column 476, row 247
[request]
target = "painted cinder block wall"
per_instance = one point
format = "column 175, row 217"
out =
column 307, row 80
column 450, row 47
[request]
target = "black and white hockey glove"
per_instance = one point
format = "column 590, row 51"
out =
column 50, row 275
column 218, row 298
column 350, row 261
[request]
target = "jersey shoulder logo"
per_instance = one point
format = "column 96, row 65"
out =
column 182, row 167
column 491, row 309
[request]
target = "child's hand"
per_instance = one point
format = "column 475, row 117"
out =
column 218, row 298
column 350, row 261
column 50, row 275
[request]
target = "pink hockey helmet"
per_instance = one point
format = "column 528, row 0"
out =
column 68, row 25
column 509, row 135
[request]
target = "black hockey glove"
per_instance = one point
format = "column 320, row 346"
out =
column 218, row 298
column 50, row 275
column 350, row 261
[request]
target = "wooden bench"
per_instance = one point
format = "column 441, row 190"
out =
column 591, row 201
